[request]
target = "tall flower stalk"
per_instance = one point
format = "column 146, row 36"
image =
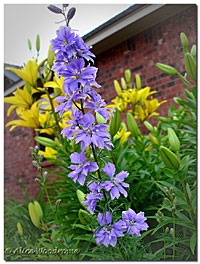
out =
column 73, row 60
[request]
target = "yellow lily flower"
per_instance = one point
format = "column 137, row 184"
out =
column 28, row 73
column 29, row 117
column 119, row 103
column 123, row 135
column 21, row 98
column 48, row 153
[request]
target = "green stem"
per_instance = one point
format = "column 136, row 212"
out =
column 184, row 80
column 173, row 215
column 188, row 202
column 53, row 111
column 164, row 240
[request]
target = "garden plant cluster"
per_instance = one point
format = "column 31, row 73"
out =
column 115, row 193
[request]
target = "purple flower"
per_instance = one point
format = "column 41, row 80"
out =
column 92, row 200
column 68, row 131
column 98, row 105
column 90, row 133
column 67, row 101
column 62, row 44
column 81, row 169
column 116, row 184
column 83, row 50
column 75, row 73
column 134, row 222
column 108, row 234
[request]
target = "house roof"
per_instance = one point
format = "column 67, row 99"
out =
column 129, row 23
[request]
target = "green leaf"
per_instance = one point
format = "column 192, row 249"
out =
column 193, row 241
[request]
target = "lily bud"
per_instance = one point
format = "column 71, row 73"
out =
column 81, row 197
column 38, row 43
column 117, row 88
column 51, row 55
column 123, row 83
column 84, row 217
column 19, row 229
column 166, row 229
column 132, row 125
column 29, row 44
column 194, row 51
column 169, row 158
column 190, row 66
column 173, row 140
column 128, row 76
column 166, row 69
column 115, row 123
column 38, row 180
column 148, row 126
column 38, row 209
column 47, row 142
column 184, row 41
column 138, row 82
column 34, row 215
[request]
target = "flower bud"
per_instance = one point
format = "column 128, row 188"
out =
column 166, row 69
column 194, row 51
column 38, row 43
column 166, row 200
column 38, row 209
column 51, row 55
column 47, row 142
column 71, row 13
column 132, row 125
column 34, row 215
column 166, row 190
column 171, row 231
column 58, row 202
column 59, row 240
column 81, row 197
column 148, row 126
column 171, row 189
column 66, row 217
column 173, row 140
column 190, row 66
column 36, row 148
column 115, row 123
column 128, row 76
column 19, row 229
column 38, row 180
column 123, row 84
column 166, row 229
column 34, row 162
column 54, row 9
column 84, row 217
column 29, row 44
column 117, row 88
column 169, row 158
column 173, row 210
column 138, row 82
column 184, row 41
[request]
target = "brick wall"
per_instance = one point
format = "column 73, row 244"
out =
column 18, row 160
column 160, row 43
